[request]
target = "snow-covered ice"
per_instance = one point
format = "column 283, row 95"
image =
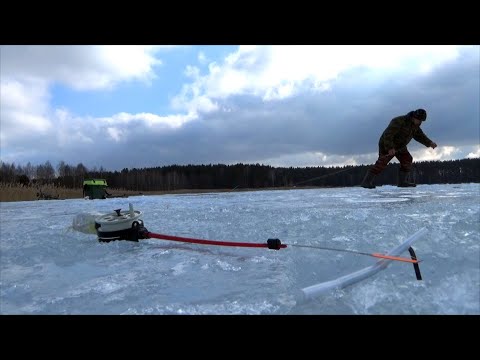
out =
column 47, row 267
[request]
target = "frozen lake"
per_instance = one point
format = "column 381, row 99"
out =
column 47, row 267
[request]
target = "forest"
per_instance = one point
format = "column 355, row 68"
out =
column 237, row 176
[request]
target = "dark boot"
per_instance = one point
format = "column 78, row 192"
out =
column 402, row 180
column 367, row 182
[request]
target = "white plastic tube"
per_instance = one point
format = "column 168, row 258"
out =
column 315, row 290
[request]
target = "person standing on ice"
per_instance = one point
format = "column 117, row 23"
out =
column 393, row 143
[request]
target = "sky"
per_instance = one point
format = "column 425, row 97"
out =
column 139, row 106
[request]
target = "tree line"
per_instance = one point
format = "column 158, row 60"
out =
column 220, row 176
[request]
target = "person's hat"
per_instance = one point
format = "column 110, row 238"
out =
column 420, row 114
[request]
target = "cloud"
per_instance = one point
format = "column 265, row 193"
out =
column 23, row 111
column 277, row 72
column 202, row 58
column 475, row 153
column 78, row 66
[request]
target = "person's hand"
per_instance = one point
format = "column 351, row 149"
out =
column 433, row 145
column 391, row 152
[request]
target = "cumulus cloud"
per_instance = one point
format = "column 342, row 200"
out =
column 276, row 72
column 23, row 111
column 475, row 153
column 78, row 66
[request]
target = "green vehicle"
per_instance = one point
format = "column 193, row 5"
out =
column 95, row 189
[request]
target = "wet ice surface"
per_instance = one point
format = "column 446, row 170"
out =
column 49, row 268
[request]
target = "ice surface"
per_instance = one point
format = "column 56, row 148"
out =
column 47, row 267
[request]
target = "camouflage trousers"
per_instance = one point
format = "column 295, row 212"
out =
column 403, row 157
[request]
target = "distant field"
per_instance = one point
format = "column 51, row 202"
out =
column 17, row 192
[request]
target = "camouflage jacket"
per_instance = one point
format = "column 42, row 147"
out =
column 399, row 133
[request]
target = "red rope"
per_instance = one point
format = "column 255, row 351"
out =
column 206, row 242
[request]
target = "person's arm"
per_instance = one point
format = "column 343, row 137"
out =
column 423, row 139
